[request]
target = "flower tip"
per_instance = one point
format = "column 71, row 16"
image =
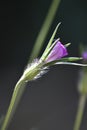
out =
column 58, row 24
column 68, row 44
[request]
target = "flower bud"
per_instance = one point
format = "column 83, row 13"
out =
column 58, row 51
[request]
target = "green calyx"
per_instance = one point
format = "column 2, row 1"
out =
column 32, row 71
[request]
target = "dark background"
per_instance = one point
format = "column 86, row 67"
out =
column 49, row 103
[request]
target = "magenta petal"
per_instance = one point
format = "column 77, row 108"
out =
column 57, row 52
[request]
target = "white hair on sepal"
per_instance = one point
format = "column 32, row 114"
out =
column 42, row 72
column 33, row 63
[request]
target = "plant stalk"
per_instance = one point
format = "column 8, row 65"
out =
column 81, row 106
column 17, row 93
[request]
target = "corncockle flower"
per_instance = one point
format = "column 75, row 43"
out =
column 53, row 54
column 57, row 52
column 37, row 68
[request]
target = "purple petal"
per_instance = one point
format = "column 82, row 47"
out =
column 57, row 52
column 84, row 55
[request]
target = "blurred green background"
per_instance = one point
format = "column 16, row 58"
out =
column 50, row 102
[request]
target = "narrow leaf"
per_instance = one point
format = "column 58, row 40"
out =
column 68, row 59
column 70, row 63
column 50, row 42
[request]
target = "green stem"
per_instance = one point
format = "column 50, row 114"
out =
column 17, row 93
column 80, row 111
column 44, row 29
